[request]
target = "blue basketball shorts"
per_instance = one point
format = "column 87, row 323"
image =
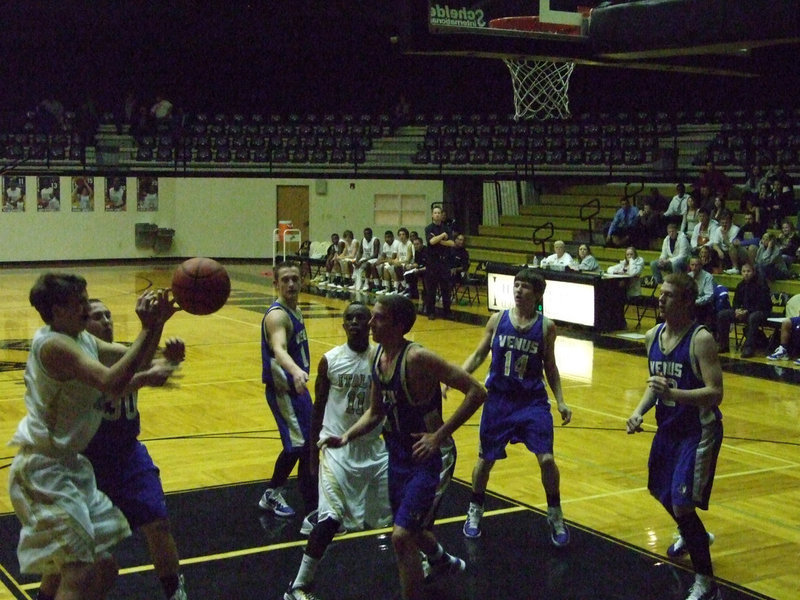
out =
column 133, row 484
column 292, row 415
column 681, row 469
column 506, row 419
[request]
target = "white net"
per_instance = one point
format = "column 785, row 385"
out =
column 540, row 88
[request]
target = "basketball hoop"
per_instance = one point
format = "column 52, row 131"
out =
column 540, row 88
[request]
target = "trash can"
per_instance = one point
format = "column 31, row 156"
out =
column 146, row 235
column 164, row 238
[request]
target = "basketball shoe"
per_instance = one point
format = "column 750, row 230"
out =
column 704, row 588
column 273, row 501
column 559, row 534
column 447, row 565
column 779, row 354
column 299, row 594
column 180, row 592
column 472, row 526
column 678, row 547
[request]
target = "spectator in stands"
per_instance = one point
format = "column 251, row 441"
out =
column 588, row 263
column 704, row 305
column 768, row 261
column 745, row 244
column 714, row 181
column 405, row 258
column 704, row 254
column 717, row 208
column 703, row 231
column 751, row 185
column 783, row 192
column 752, row 304
column 770, row 205
column 647, row 224
column 559, row 260
column 383, row 267
column 631, row 266
column 690, row 217
column 657, row 202
column 753, row 209
column 788, row 241
column 674, row 254
column 416, row 269
column 677, row 206
column 459, row 259
column 623, row 224
column 722, row 241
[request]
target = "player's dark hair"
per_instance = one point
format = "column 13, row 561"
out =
column 366, row 229
column 347, row 233
column 53, row 289
column 400, row 310
column 533, row 278
column 357, row 304
column 685, row 285
column 399, row 231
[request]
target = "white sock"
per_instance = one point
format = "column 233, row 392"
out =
column 306, row 572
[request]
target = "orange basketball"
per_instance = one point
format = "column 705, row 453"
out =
column 201, row 286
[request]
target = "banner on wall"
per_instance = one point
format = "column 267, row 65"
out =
column 14, row 193
column 116, row 194
column 147, row 194
column 82, row 194
column 48, row 194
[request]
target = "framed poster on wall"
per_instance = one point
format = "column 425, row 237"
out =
column 147, row 194
column 14, row 193
column 48, row 194
column 82, row 194
column 116, row 194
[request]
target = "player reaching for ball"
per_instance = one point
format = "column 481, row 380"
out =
column 284, row 371
column 122, row 466
column 68, row 525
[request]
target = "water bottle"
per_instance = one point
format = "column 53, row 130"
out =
column 535, row 262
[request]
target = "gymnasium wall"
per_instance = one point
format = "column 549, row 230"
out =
column 218, row 217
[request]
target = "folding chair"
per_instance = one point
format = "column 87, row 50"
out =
column 644, row 303
column 780, row 308
column 468, row 288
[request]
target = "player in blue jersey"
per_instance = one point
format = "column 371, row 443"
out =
column 406, row 394
column 285, row 368
column 522, row 342
column 685, row 386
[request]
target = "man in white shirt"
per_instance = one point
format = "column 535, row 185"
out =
column 704, row 230
column 722, row 239
column 677, row 206
column 383, row 266
column 402, row 261
column 559, row 260
column 674, row 254
column 704, row 305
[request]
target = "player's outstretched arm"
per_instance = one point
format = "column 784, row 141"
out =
column 278, row 326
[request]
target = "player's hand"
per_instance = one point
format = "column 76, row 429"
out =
column 566, row 413
column 333, row 441
column 660, row 386
column 300, row 381
column 634, row 423
column 159, row 373
column 174, row 350
column 424, row 447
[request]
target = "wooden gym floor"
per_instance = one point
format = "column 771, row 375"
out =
column 215, row 442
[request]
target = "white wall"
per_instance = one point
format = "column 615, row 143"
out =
column 219, row 217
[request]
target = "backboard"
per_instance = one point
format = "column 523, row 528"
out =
column 714, row 37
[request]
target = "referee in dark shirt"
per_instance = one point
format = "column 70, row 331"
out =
column 439, row 238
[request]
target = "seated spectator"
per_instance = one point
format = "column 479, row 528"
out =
column 769, row 263
column 752, row 305
column 631, row 266
column 722, row 241
column 783, row 192
column 459, row 259
column 588, row 263
column 674, row 254
column 560, row 259
column 647, row 224
column 657, row 202
column 690, row 217
column 716, row 182
column 704, row 305
column 717, row 209
column 705, row 256
column 703, row 231
column 788, row 241
column 753, row 209
column 677, row 206
column 343, row 262
column 416, row 270
column 623, row 225
column 751, row 185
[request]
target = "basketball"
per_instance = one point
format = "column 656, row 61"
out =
column 201, row 286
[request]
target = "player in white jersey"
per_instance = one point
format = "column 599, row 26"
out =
column 383, row 266
column 403, row 261
column 353, row 479
column 68, row 525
